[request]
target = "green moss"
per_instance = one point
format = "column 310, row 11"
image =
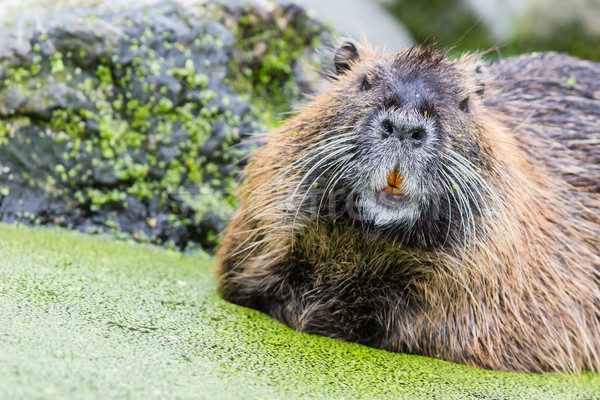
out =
column 5, row 131
column 129, row 321
column 189, row 74
column 56, row 63
column 268, row 49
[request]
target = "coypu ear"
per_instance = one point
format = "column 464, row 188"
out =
column 344, row 56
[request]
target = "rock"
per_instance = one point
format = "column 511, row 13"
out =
column 134, row 122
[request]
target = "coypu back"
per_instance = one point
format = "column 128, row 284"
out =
column 556, row 97
column 447, row 208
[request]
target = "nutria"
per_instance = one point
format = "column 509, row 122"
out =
column 447, row 208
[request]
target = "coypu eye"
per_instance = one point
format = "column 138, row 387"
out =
column 464, row 105
column 366, row 85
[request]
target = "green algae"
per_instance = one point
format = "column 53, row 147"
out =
column 84, row 317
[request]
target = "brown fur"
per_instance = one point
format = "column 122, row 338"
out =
column 524, row 295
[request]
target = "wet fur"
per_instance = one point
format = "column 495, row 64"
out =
column 500, row 269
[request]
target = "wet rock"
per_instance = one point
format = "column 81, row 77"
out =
column 134, row 122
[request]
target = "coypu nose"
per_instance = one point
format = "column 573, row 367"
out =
column 415, row 134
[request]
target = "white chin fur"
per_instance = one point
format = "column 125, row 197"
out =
column 380, row 214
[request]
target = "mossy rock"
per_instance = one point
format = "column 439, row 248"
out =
column 85, row 317
column 134, row 122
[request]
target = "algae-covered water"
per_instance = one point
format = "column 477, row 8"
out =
column 87, row 318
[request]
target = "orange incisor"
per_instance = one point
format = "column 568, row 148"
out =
column 394, row 182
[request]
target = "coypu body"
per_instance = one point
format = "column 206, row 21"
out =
column 444, row 208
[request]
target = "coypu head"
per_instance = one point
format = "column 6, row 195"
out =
column 402, row 139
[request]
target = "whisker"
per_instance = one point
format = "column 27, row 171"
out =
column 308, row 173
